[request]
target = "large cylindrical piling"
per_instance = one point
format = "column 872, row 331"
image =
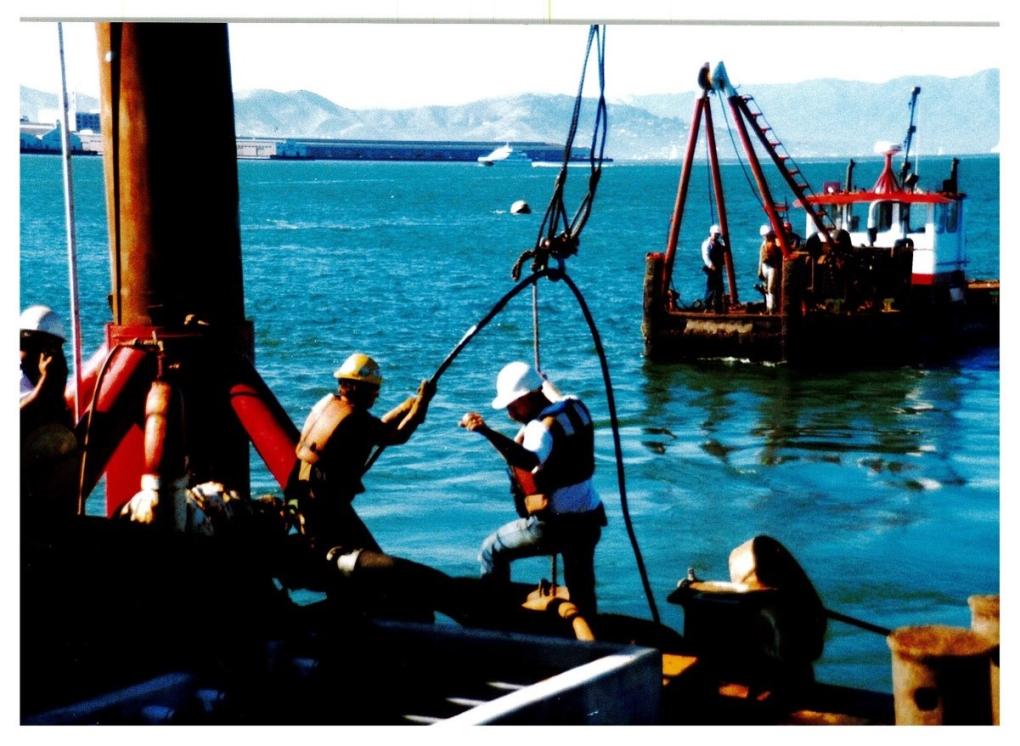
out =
column 940, row 676
column 984, row 619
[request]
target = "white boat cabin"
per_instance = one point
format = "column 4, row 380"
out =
column 889, row 216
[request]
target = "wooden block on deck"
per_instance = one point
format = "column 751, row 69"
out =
column 674, row 666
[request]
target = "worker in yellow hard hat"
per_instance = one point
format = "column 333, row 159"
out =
column 336, row 441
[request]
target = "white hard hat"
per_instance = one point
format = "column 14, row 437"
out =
column 714, row 229
column 514, row 381
column 765, row 230
column 42, row 319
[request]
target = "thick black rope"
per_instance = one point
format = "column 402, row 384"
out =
column 558, row 274
column 614, row 422
column 565, row 244
column 559, row 246
column 598, row 140
column 558, row 237
column 468, row 336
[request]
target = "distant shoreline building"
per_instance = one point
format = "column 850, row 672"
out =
column 453, row 151
column 43, row 136
column 46, row 139
column 38, row 137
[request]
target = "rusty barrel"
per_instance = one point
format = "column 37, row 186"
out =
column 984, row 620
column 940, row 676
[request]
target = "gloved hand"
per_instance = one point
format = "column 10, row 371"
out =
column 345, row 559
column 472, row 421
column 426, row 390
column 142, row 507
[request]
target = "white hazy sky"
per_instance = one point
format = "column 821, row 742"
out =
column 361, row 64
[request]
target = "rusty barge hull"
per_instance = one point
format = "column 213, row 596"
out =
column 928, row 327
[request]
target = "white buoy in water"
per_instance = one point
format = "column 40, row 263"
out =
column 520, row 207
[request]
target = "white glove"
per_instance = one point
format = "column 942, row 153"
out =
column 142, row 507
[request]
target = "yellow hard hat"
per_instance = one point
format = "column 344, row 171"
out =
column 359, row 367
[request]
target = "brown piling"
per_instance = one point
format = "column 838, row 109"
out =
column 940, row 676
column 789, row 308
column 984, row 620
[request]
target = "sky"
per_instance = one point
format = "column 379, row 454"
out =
column 359, row 64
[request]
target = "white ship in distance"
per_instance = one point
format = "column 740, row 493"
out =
column 504, row 153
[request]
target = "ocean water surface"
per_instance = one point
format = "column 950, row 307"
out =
column 884, row 484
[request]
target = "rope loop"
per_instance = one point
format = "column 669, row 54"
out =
column 559, row 236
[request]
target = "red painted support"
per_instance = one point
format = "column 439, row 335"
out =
column 740, row 110
column 175, row 247
column 124, row 469
column 267, row 424
column 113, row 411
column 713, row 157
column 681, row 195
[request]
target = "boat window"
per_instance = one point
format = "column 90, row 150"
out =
column 880, row 216
column 952, row 217
column 947, row 217
column 851, row 222
column 905, row 217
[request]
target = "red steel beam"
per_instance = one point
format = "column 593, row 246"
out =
column 720, row 200
column 681, row 195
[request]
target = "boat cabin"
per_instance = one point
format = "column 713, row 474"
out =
column 895, row 219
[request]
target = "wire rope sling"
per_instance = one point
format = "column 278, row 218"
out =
column 559, row 238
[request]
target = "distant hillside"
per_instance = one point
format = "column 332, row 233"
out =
column 633, row 133
column 33, row 101
column 815, row 118
column 842, row 118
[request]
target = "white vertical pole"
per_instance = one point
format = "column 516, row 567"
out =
column 72, row 255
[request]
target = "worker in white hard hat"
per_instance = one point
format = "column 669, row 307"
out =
column 552, row 460
column 43, row 367
column 49, row 448
column 713, row 250
column 336, row 441
column 770, row 263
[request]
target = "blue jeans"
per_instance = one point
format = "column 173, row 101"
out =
column 573, row 536
column 714, row 291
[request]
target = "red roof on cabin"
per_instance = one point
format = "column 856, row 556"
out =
column 886, row 188
column 848, row 198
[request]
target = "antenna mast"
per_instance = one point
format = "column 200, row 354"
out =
column 905, row 168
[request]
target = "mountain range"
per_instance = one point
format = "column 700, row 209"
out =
column 818, row 118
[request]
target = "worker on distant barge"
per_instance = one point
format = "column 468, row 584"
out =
column 770, row 264
column 713, row 251
column 552, row 458
column 337, row 438
column 791, row 236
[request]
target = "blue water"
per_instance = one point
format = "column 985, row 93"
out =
column 883, row 484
